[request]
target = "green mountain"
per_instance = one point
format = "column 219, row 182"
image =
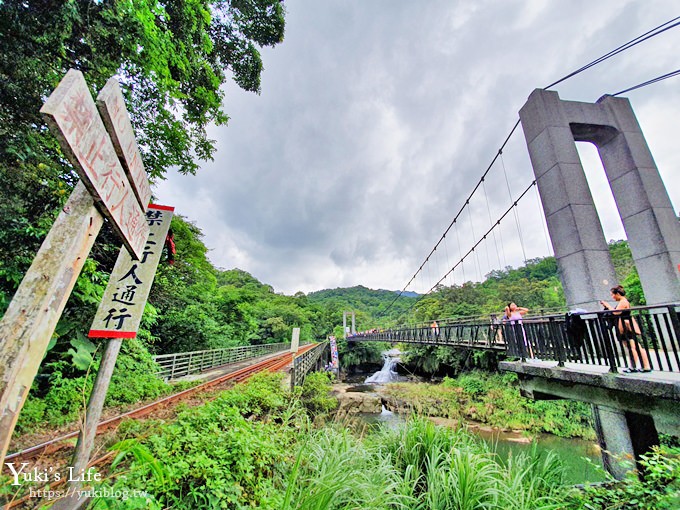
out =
column 373, row 308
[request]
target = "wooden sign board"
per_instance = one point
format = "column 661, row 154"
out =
column 71, row 114
column 117, row 121
column 122, row 306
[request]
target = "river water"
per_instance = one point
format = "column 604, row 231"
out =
column 581, row 458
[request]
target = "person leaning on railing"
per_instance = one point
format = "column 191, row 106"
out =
column 628, row 330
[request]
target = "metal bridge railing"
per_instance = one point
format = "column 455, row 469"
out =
column 607, row 338
column 480, row 335
column 180, row 364
column 306, row 361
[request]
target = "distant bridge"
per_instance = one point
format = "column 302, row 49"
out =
column 587, row 338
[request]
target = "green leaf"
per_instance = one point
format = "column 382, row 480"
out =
column 81, row 354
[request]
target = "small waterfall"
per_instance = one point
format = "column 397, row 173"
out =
column 387, row 374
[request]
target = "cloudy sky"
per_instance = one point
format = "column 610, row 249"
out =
column 377, row 118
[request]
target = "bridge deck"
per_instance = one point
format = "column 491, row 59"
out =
column 655, row 375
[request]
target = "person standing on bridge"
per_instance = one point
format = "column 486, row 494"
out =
column 435, row 329
column 514, row 312
column 514, row 315
column 627, row 329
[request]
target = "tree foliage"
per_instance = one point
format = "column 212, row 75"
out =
column 171, row 57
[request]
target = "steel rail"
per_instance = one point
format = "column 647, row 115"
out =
column 272, row 365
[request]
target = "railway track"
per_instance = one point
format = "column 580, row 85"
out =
column 272, row 364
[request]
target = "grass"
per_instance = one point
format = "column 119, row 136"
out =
column 255, row 447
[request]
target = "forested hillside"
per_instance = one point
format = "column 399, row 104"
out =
column 173, row 89
column 535, row 285
column 372, row 307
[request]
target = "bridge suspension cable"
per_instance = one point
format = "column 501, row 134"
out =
column 649, row 82
column 472, row 250
column 633, row 42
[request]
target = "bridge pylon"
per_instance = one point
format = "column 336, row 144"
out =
column 344, row 323
column 552, row 127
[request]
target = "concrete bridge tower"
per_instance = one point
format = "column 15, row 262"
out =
column 551, row 128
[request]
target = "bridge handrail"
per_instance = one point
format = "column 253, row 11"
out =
column 609, row 338
column 304, row 362
column 180, row 364
column 474, row 318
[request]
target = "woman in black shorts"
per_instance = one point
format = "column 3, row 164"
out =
column 628, row 329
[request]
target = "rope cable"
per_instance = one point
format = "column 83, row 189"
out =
column 446, row 249
column 650, row 82
column 516, row 215
column 493, row 233
column 460, row 254
column 633, row 42
column 476, row 259
column 513, row 206
column 461, row 261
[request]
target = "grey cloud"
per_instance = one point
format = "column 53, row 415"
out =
column 377, row 118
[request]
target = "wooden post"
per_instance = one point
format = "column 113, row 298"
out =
column 29, row 322
column 105, row 189
column 81, row 456
column 129, row 285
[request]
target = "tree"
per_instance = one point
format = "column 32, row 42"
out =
column 170, row 56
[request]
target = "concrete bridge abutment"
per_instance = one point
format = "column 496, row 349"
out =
column 629, row 411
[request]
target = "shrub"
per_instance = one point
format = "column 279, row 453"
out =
column 315, row 393
column 658, row 489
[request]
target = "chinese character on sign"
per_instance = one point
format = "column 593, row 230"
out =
column 147, row 250
column 122, row 306
column 120, row 317
column 131, row 273
column 126, row 296
column 154, row 217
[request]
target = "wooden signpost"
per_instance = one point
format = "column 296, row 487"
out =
column 117, row 121
column 118, row 317
column 72, row 116
column 104, row 190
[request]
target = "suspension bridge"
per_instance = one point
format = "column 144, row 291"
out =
column 626, row 366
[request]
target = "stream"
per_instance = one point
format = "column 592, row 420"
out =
column 581, row 458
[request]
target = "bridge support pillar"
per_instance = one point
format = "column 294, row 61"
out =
column 353, row 331
column 623, row 437
column 628, row 412
column 614, row 439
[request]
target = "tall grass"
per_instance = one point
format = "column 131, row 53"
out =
column 532, row 480
column 253, row 448
column 334, row 470
column 419, row 466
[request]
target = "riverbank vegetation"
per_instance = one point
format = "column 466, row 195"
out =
column 495, row 400
column 194, row 306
